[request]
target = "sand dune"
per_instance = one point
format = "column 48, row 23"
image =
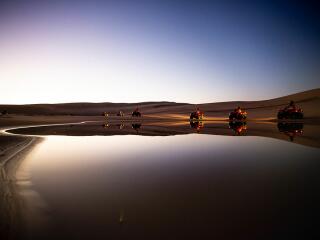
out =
column 309, row 101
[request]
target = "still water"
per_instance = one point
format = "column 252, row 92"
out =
column 194, row 186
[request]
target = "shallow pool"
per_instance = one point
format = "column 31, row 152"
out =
column 197, row 186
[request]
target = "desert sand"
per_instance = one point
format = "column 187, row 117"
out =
column 309, row 101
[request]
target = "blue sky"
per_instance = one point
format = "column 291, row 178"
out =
column 133, row 51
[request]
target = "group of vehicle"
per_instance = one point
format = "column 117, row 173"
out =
column 237, row 120
column 135, row 113
column 239, row 114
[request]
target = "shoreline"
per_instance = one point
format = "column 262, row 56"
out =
column 304, row 132
column 12, row 220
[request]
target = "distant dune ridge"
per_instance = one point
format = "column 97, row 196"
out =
column 309, row 101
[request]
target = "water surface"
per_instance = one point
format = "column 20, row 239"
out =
column 197, row 186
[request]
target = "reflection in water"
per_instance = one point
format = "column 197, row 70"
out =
column 136, row 126
column 174, row 187
column 197, row 125
column 310, row 136
column 238, row 127
column 292, row 130
column 120, row 126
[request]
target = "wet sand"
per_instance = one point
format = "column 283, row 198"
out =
column 13, row 151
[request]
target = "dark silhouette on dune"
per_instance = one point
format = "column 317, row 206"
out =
column 136, row 113
column 290, row 112
column 238, row 114
column 197, row 115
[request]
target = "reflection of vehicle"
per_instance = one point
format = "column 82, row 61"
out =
column 238, row 127
column 120, row 114
column 4, row 112
column 196, row 125
column 290, row 112
column 197, row 115
column 136, row 113
column 238, row 115
column 136, row 126
column 120, row 126
column 291, row 129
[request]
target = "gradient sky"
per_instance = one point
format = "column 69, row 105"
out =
column 132, row 51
